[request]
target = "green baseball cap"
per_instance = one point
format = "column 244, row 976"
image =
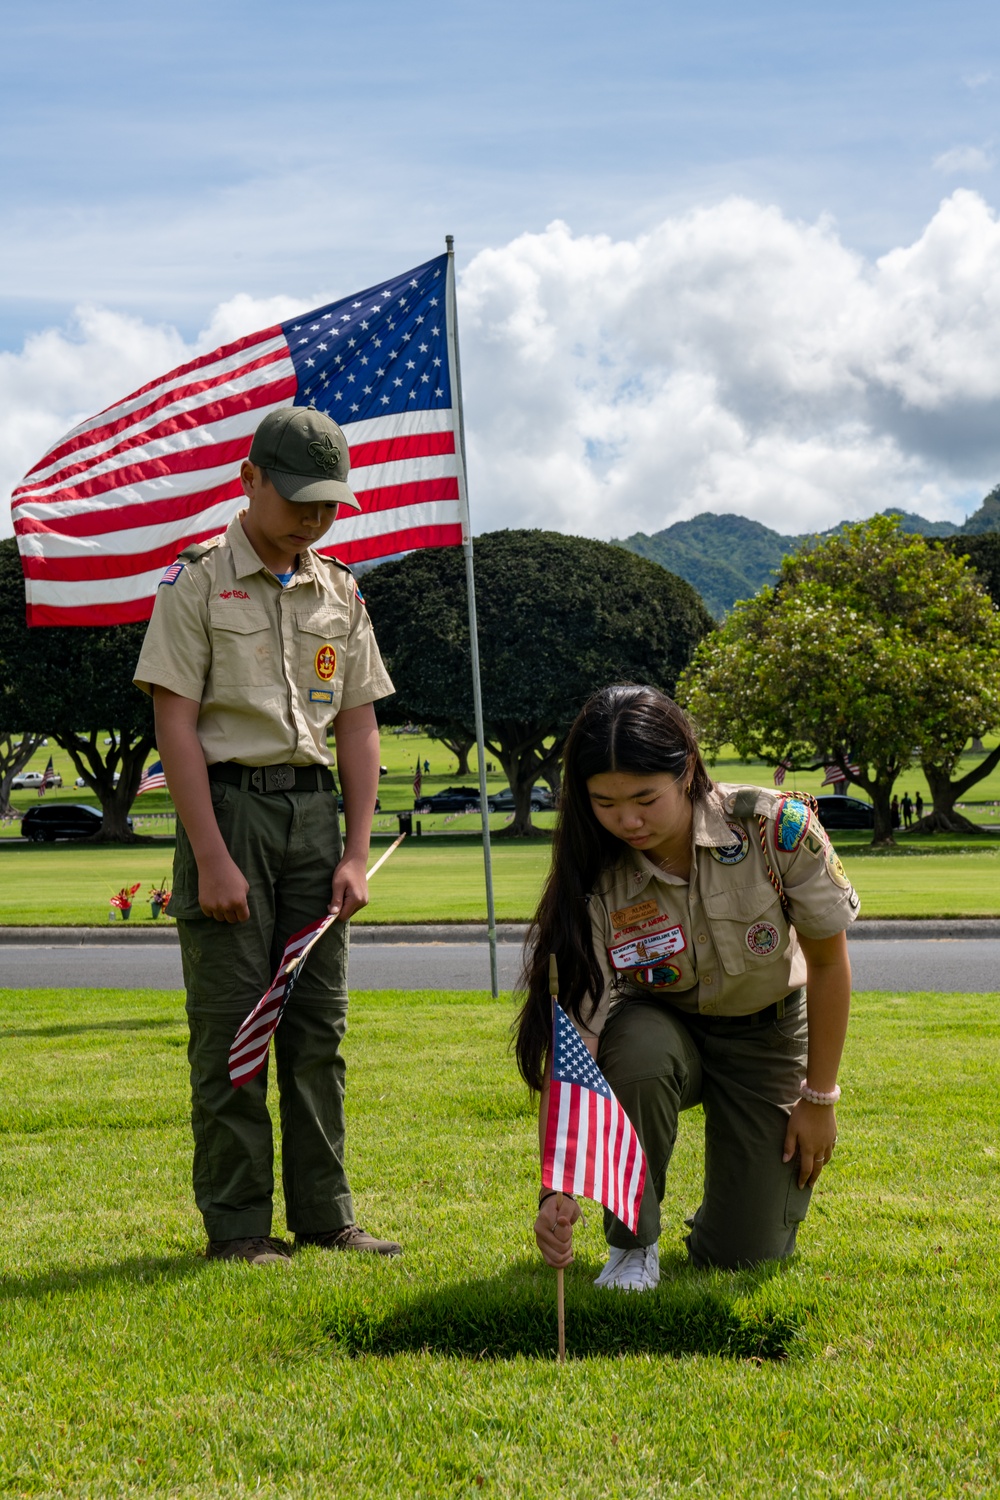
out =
column 306, row 456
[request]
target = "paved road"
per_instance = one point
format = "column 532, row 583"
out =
column 965, row 964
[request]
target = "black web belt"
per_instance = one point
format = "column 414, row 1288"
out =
column 272, row 778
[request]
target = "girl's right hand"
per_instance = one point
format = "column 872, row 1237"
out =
column 554, row 1229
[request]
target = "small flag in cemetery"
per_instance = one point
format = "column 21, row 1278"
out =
column 153, row 779
column 418, row 780
column 781, row 771
column 590, row 1146
column 833, row 775
column 48, row 778
column 248, row 1053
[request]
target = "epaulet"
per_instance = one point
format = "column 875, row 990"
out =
column 750, row 801
column 336, row 562
column 198, row 549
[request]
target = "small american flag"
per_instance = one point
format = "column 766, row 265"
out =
column 590, row 1146
column 833, row 775
column 112, row 503
column 48, row 778
column 248, row 1053
column 418, row 780
column 781, row 771
column 153, row 779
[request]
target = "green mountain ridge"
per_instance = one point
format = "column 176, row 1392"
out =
column 728, row 557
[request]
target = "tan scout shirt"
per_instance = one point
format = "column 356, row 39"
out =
column 719, row 943
column 270, row 666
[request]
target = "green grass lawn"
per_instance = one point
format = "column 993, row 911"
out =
column 129, row 1366
column 440, row 879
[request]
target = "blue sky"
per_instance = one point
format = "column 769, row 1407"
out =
column 157, row 162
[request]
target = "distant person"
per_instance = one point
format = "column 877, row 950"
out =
column 907, row 806
column 919, row 804
column 700, row 936
column 894, row 811
column 427, row 765
column 257, row 646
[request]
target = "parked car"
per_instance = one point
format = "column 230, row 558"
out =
column 845, row 812
column 452, row 799
column 32, row 780
column 542, row 800
column 61, row 820
column 117, row 777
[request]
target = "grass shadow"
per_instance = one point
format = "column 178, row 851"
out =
column 137, row 1269
column 515, row 1314
column 6, row 1033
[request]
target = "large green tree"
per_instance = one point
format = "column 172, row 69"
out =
column 16, row 749
column 559, row 617
column 75, row 685
column 868, row 646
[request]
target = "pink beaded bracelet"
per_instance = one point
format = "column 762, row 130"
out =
column 815, row 1097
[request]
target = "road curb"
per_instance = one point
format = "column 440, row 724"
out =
column 898, row 929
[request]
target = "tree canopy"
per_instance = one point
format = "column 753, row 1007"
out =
column 75, row 684
column 868, row 646
column 559, row 617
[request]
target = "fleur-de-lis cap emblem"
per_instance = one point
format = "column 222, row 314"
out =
column 326, row 455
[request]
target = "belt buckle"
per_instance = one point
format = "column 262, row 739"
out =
column 273, row 778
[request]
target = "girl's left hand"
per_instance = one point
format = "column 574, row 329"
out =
column 812, row 1131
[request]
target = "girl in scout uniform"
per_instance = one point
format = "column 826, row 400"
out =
column 700, row 931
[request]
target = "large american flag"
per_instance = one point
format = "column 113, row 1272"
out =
column 114, row 501
column 248, row 1054
column 590, row 1146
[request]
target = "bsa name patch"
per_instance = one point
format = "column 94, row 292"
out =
column 762, row 939
column 629, row 915
column 647, row 951
column 320, row 695
column 791, row 824
column 732, row 854
column 326, row 663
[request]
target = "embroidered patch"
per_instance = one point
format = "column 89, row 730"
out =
column 762, row 939
column 791, row 824
column 358, row 594
column 837, row 872
column 326, row 663
column 732, row 854
column 234, row 594
column 172, row 574
column 629, row 915
column 647, row 950
column 660, row 977
column 320, row 695
column 815, row 845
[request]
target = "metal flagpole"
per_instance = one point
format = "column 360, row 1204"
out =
column 455, row 371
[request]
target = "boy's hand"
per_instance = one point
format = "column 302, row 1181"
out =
column 554, row 1229
column 222, row 889
column 350, row 888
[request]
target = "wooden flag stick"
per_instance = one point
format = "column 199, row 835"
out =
column 560, row 1286
column 391, row 850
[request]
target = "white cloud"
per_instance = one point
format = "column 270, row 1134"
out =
column 962, row 161
column 732, row 359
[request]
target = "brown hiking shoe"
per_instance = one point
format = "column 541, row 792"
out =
column 260, row 1250
column 352, row 1237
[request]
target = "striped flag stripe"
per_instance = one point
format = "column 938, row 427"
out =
column 404, row 540
column 248, row 1052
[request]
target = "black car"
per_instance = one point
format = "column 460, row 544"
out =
column 452, row 799
column 542, row 800
column 845, row 812
column 62, row 820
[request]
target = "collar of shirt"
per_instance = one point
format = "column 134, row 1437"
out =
column 246, row 562
column 709, row 829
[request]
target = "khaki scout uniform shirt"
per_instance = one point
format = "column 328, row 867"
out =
column 719, row 944
column 270, row 666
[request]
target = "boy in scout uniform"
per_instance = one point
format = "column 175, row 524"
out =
column 255, row 647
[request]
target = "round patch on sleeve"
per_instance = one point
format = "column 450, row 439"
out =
column 837, row 872
column 732, row 854
column 762, row 939
column 791, row 824
column 326, row 663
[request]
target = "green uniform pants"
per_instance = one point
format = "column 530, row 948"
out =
column 745, row 1072
column 287, row 844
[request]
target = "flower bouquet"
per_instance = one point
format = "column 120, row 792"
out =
column 123, row 900
column 159, row 898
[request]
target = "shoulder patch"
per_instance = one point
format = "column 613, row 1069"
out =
column 172, row 574
column 791, row 824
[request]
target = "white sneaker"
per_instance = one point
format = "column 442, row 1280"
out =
column 631, row 1270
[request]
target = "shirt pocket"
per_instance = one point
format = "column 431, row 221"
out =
column 243, row 652
column 322, row 633
column 748, row 928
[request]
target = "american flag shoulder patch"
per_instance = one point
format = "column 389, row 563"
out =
column 172, row 574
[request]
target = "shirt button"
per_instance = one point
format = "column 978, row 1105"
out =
column 703, row 937
column 706, row 979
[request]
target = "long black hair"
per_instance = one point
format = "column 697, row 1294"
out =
column 621, row 728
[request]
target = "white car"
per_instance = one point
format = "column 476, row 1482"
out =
column 32, row 780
